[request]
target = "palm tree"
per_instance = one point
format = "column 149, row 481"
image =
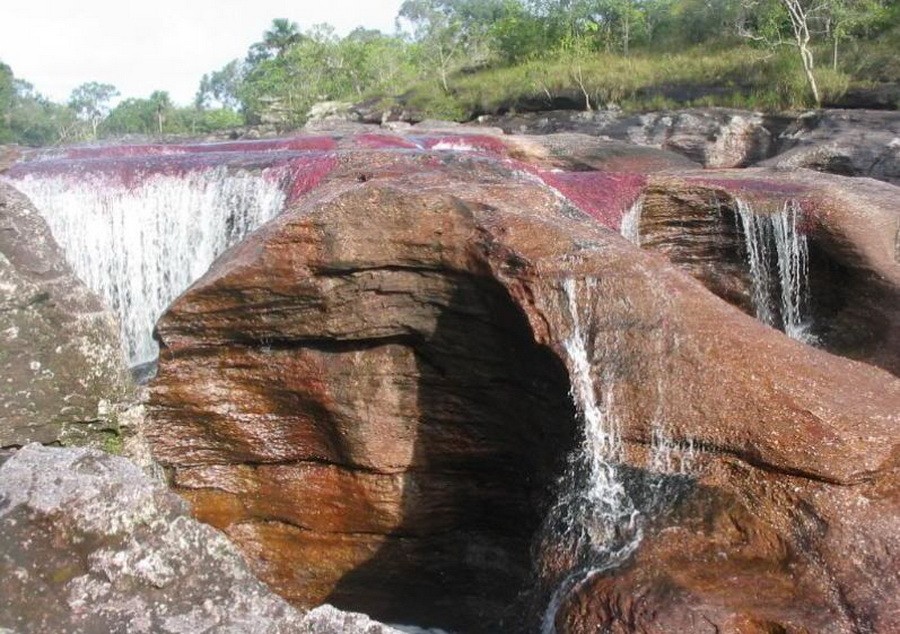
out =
column 162, row 104
column 281, row 36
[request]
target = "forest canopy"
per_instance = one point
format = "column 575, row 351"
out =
column 459, row 58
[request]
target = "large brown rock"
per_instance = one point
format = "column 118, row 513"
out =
column 60, row 357
column 852, row 226
column 370, row 397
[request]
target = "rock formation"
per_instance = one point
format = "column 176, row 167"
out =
column 441, row 388
column 60, row 358
column 847, row 142
column 370, row 396
column 713, row 137
column 852, row 226
column 844, row 142
column 89, row 544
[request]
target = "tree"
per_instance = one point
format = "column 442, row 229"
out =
column 281, row 36
column 35, row 120
column 162, row 105
column 91, row 103
column 221, row 87
column 845, row 19
column 770, row 22
column 7, row 94
column 438, row 31
column 797, row 11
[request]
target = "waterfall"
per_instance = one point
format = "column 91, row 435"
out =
column 594, row 510
column 607, row 503
column 631, row 222
column 778, row 257
column 600, row 514
column 140, row 244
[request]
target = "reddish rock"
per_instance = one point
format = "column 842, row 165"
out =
column 370, row 397
column 852, row 225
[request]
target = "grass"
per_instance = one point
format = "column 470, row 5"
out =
column 732, row 76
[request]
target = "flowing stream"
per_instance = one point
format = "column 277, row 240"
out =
column 601, row 508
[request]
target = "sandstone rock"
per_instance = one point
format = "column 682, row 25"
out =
column 330, row 112
column 713, row 137
column 60, row 357
column 575, row 152
column 852, row 226
column 370, row 397
column 89, row 544
column 847, row 142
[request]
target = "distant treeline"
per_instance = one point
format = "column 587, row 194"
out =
column 457, row 57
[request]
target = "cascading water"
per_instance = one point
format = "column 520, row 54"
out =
column 631, row 222
column 140, row 241
column 594, row 510
column 601, row 509
column 778, row 257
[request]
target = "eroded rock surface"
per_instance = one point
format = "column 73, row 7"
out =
column 713, row 137
column 846, row 142
column 852, row 226
column 89, row 544
column 370, row 397
column 60, row 357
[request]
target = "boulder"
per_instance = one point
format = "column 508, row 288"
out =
column 371, row 397
column 846, row 142
column 62, row 365
column 89, row 544
column 392, row 481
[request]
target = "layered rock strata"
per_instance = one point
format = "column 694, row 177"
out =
column 852, row 226
column 370, row 397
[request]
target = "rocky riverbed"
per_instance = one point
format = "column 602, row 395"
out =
column 475, row 381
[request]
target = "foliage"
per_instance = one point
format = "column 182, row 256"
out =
column 91, row 103
column 459, row 58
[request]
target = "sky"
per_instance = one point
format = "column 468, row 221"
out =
column 168, row 45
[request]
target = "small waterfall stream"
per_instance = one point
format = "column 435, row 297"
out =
column 140, row 244
column 778, row 257
column 631, row 222
column 602, row 508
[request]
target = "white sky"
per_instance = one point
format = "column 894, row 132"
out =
column 152, row 45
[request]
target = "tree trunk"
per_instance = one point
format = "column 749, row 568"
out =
column 801, row 37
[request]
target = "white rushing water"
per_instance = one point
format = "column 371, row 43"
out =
column 595, row 508
column 778, row 257
column 631, row 222
column 597, row 511
column 140, row 246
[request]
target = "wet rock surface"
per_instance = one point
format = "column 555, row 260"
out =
column 370, row 397
column 851, row 225
column 89, row 544
column 379, row 397
column 60, row 357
